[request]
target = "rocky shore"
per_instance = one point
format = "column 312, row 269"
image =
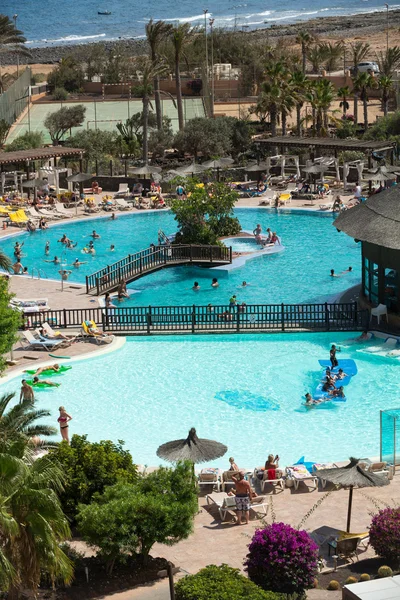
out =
column 357, row 26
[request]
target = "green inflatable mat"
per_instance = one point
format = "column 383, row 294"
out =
column 41, row 384
column 50, row 372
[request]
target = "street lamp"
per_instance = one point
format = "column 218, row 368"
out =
column 211, row 21
column 387, row 27
column 15, row 17
column 205, row 11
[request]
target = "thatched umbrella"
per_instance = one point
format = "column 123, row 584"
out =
column 34, row 183
column 221, row 163
column 145, row 170
column 349, row 477
column 79, row 177
column 381, row 174
column 191, row 169
column 257, row 167
column 195, row 449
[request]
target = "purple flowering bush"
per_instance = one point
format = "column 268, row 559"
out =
column 384, row 534
column 282, row 559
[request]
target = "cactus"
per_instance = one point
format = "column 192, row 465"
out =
column 333, row 585
column 350, row 580
column 364, row 577
column 385, row 571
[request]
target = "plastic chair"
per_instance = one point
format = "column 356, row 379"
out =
column 379, row 311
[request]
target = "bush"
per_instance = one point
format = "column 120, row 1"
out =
column 350, row 580
column 89, row 467
column 385, row 571
column 60, row 94
column 217, row 583
column 333, row 586
column 364, row 577
column 38, row 78
column 130, row 518
column 282, row 559
column 26, row 141
column 384, row 534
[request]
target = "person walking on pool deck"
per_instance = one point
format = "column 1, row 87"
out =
column 243, row 496
column 26, row 392
column 63, row 420
column 332, row 356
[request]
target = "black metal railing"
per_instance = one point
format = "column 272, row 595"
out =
column 135, row 265
column 210, row 319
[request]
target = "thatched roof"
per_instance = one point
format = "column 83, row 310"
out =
column 20, row 156
column 325, row 143
column 191, row 448
column 352, row 475
column 376, row 221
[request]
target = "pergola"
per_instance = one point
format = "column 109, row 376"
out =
column 376, row 224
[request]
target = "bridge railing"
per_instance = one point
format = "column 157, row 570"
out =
column 146, row 260
column 211, row 319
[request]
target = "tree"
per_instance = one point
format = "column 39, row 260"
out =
column 385, row 534
column 128, row 136
column 60, row 121
column 180, row 35
column 10, row 37
column 204, row 136
column 161, row 139
column 215, row 583
column 19, row 425
column 389, row 61
column 344, row 93
column 361, row 84
column 133, row 517
column 89, row 467
column 300, row 84
column 359, row 51
column 32, row 524
column 10, row 319
column 386, row 85
column 304, row 38
column 282, row 559
column 4, row 129
column 68, row 75
column 26, row 141
column 322, row 96
column 157, row 32
column 333, row 54
column 98, row 145
column 317, row 55
column 271, row 98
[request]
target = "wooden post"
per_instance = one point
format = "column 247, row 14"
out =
column 98, row 286
column 111, row 168
column 211, row 254
column 326, row 316
column 148, row 319
column 238, row 320
column 171, row 581
column 349, row 509
column 191, row 253
column 230, row 254
column 65, row 318
column 87, row 284
column 283, row 317
column 141, row 264
column 193, row 317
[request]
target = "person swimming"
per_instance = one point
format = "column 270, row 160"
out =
column 77, row 263
column 64, row 239
column 333, row 274
column 214, row 283
column 244, row 283
column 196, row 286
column 95, row 235
column 47, row 248
column 310, row 400
column 112, row 248
column 55, row 260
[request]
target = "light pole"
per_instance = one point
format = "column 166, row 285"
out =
column 387, row 27
column 205, row 11
column 15, row 17
column 211, row 21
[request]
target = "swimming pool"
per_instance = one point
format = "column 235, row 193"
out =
column 243, row 390
column 299, row 274
column 241, row 244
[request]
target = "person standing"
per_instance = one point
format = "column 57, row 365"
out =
column 26, row 392
column 63, row 420
column 332, row 356
column 243, row 496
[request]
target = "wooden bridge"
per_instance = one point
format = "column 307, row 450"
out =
column 153, row 259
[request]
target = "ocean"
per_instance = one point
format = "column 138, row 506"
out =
column 51, row 22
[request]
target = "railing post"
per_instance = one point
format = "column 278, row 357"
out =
column 65, row 318
column 141, row 264
column 238, row 320
column 355, row 318
column 230, row 254
column 326, row 316
column 148, row 320
column 193, row 318
column 103, row 320
column 211, row 254
column 283, row 317
column 98, row 286
column 87, row 284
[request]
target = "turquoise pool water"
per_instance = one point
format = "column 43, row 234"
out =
column 243, row 390
column 299, row 274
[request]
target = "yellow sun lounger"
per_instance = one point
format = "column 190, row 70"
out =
column 91, row 330
column 19, row 218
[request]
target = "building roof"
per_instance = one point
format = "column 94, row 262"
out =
column 328, row 143
column 376, row 221
column 38, row 154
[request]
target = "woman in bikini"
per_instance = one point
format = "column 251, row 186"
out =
column 63, row 420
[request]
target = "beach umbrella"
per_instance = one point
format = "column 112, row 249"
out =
column 170, row 175
column 34, row 183
column 349, row 477
column 79, row 177
column 221, row 163
column 316, row 169
column 191, row 169
column 192, row 448
column 380, row 175
column 257, row 167
column 145, row 170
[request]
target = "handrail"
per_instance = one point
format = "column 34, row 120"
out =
column 256, row 318
column 135, row 265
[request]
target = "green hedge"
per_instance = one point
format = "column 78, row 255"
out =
column 221, row 583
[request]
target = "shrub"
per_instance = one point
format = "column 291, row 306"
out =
column 215, row 583
column 130, row 518
column 60, row 94
column 282, row 559
column 26, row 141
column 89, row 467
column 350, row 580
column 385, row 571
column 333, row 586
column 384, row 534
column 364, row 577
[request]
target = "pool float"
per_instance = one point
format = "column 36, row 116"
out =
column 55, row 356
column 41, row 384
column 49, row 372
column 320, row 394
column 347, row 364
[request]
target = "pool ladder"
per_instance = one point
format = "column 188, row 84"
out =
column 40, row 273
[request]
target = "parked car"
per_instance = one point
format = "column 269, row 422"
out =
column 365, row 67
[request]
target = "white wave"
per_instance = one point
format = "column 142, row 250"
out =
column 292, row 16
column 68, row 39
column 189, row 19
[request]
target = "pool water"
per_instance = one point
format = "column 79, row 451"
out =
column 243, row 244
column 299, row 274
column 243, row 390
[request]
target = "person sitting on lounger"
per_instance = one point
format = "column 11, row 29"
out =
column 271, row 462
column 37, row 381
column 92, row 329
column 233, row 465
column 328, row 384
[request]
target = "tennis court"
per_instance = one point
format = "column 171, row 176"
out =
column 105, row 115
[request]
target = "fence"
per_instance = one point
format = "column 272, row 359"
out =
column 390, row 436
column 16, row 98
column 135, row 265
column 273, row 318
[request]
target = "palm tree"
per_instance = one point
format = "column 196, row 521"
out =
column 304, row 38
column 359, row 51
column 271, row 98
column 323, row 96
column 180, row 35
column 300, row 84
column 156, row 32
column 19, row 425
column 386, row 85
column 361, row 84
column 389, row 61
column 10, row 37
column 344, row 93
column 5, row 262
column 333, row 54
column 32, row 524
column 317, row 55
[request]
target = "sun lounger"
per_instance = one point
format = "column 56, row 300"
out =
column 19, row 218
column 62, row 211
column 268, row 478
column 90, row 330
column 49, row 214
column 210, row 476
column 41, row 344
column 327, row 206
column 346, row 547
column 50, row 333
column 226, row 503
column 123, row 190
column 30, row 306
column 122, row 204
column 285, row 198
column 32, row 212
column 299, row 473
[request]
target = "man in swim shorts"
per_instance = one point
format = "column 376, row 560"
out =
column 26, row 392
column 243, row 497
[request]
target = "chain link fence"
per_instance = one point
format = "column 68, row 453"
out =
column 16, row 98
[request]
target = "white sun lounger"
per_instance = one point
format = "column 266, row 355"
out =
column 327, row 206
column 62, row 211
column 278, row 482
column 30, row 306
column 226, row 503
column 123, row 190
column 297, row 473
column 42, row 344
column 49, row 214
column 122, row 204
column 210, row 477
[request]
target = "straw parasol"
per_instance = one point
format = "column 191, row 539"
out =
column 191, row 169
column 316, row 169
column 34, row 183
column 195, row 449
column 145, row 170
column 221, row 163
column 381, row 174
column 349, row 477
column 257, row 167
column 79, row 177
